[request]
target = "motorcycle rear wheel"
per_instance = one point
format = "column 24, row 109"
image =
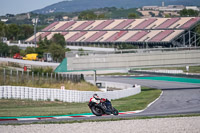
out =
column 96, row 111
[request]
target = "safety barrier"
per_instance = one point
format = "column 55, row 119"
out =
column 163, row 71
column 46, row 94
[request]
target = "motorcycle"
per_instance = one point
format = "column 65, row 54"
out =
column 103, row 108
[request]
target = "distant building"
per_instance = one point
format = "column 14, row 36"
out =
column 155, row 8
column 28, row 15
column 65, row 18
column 172, row 8
column 4, row 20
column 163, row 4
column 192, row 7
column 3, row 39
column 75, row 18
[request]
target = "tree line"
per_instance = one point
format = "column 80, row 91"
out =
column 55, row 46
column 15, row 32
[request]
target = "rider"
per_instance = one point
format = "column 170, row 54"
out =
column 95, row 99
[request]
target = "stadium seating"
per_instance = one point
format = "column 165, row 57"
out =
column 190, row 22
column 96, row 36
column 167, row 23
column 64, row 33
column 76, row 36
column 84, row 25
column 119, row 30
column 150, row 35
column 123, row 24
column 161, row 35
column 172, row 35
column 103, row 25
column 116, row 36
column 50, row 26
column 144, row 24
column 66, row 26
column 137, row 36
column 140, row 24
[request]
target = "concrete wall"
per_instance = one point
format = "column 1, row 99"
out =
column 23, row 63
column 150, row 59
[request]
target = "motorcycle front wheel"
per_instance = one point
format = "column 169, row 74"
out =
column 96, row 111
column 115, row 112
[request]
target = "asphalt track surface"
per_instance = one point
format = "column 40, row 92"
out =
column 176, row 98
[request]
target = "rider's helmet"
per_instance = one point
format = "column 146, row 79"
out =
column 95, row 96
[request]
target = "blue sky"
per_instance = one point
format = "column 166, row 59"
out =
column 22, row 6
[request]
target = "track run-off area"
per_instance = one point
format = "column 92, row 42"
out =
column 179, row 96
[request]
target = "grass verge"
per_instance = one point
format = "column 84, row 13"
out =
column 17, row 108
column 81, row 86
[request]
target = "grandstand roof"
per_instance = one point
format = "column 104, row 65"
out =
column 119, row 30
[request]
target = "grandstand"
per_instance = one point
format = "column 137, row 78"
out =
column 160, row 31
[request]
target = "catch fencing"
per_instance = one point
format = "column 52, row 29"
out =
column 17, row 77
column 45, row 94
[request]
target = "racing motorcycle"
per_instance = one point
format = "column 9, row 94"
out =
column 103, row 108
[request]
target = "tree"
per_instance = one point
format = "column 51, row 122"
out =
column 101, row 16
column 167, row 16
column 4, row 49
column 132, row 15
column 25, row 31
column 30, row 50
column 13, row 50
column 58, row 17
column 22, row 52
column 59, row 39
column 44, row 44
column 152, row 14
column 57, row 52
column 87, row 15
column 188, row 13
column 13, row 31
column 3, row 30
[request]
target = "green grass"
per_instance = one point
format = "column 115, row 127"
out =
column 13, row 107
column 137, row 102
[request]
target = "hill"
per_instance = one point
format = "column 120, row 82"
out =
column 80, row 5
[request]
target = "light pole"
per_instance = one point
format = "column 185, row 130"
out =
column 35, row 26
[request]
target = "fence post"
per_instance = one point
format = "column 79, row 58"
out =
column 22, row 78
column 63, row 78
column 27, row 75
column 38, row 75
column 43, row 77
column 47, row 77
column 17, row 76
column 51, row 78
column 4, row 76
column 10, row 75
column 55, row 78
column 66, row 77
column 33, row 77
